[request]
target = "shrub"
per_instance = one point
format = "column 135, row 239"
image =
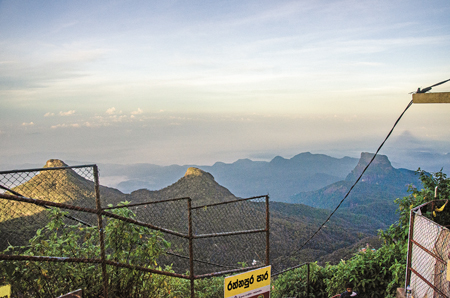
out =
column 124, row 242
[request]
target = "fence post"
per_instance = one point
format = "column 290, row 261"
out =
column 307, row 283
column 409, row 254
column 191, row 249
column 100, row 231
column 267, row 232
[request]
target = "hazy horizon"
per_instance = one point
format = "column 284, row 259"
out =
column 199, row 82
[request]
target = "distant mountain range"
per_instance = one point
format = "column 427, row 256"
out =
column 291, row 224
column 374, row 194
column 323, row 182
column 280, row 178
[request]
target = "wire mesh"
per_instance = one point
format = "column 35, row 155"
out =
column 221, row 248
column 430, row 248
column 19, row 220
column 40, row 241
column 239, row 215
column 170, row 216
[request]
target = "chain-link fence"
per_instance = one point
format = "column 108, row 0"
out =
column 70, row 185
column 235, row 233
column 428, row 254
column 108, row 245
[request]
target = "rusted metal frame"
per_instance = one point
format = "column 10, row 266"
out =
column 45, row 206
column 143, row 224
column 228, row 202
column 48, row 259
column 46, row 169
column 146, row 203
column 88, row 261
column 10, row 190
column 289, row 269
column 428, row 283
column 116, row 264
column 415, row 209
column 199, row 261
column 89, row 210
column 409, row 253
column 46, row 203
column 214, row 274
column 100, row 232
column 429, row 252
column 229, row 233
column 267, row 232
column 191, row 249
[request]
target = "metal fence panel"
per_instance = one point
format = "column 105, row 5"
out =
column 230, row 235
column 207, row 240
column 19, row 220
column 429, row 255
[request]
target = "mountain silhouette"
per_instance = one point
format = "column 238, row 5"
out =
column 197, row 184
column 280, row 178
column 373, row 195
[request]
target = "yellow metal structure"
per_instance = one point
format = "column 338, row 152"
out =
column 440, row 97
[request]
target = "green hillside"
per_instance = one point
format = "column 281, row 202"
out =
column 291, row 224
column 374, row 194
column 19, row 220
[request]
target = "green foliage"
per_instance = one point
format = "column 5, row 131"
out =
column 294, row 283
column 124, row 243
column 204, row 288
column 398, row 232
column 373, row 273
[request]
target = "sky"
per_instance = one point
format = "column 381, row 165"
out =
column 196, row 82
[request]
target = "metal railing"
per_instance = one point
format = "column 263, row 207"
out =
column 428, row 254
column 207, row 241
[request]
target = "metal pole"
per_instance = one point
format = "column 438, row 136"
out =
column 100, row 231
column 191, row 250
column 410, row 244
column 307, row 284
column 267, row 232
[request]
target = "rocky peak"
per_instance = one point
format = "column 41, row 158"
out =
column 379, row 168
column 195, row 172
column 53, row 163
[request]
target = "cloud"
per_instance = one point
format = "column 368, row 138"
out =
column 27, row 124
column 110, row 111
column 137, row 112
column 75, row 125
column 68, row 113
column 48, row 114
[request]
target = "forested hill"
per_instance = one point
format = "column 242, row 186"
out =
column 374, row 194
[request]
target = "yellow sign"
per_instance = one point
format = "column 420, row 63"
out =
column 5, row 291
column 448, row 270
column 248, row 282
